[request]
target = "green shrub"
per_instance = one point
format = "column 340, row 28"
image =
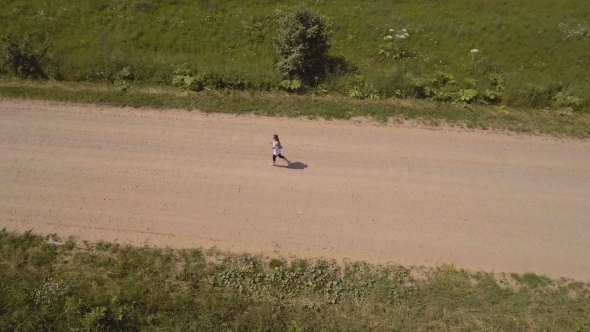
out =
column 218, row 80
column 184, row 78
column 441, row 78
column 467, row 95
column 360, row 89
column 19, row 58
column 394, row 49
column 496, row 81
column 562, row 99
column 302, row 45
column 366, row 91
column 419, row 87
column 444, row 95
column 492, row 96
column 440, row 86
column 122, row 79
column 291, row 85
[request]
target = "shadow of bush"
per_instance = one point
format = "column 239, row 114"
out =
column 339, row 66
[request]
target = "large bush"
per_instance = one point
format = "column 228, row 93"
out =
column 302, row 45
column 19, row 58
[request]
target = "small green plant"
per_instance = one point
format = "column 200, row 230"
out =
column 214, row 80
column 395, row 46
column 472, row 83
column 294, row 326
column 562, row 99
column 467, row 95
column 365, row 92
column 497, row 81
column 582, row 326
column 440, row 86
column 184, row 78
column 444, row 95
column 419, row 87
column 360, row 89
column 355, row 93
column 492, row 96
column 122, row 79
column 394, row 49
column 441, row 78
column 291, row 85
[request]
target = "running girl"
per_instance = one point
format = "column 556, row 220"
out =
column 276, row 150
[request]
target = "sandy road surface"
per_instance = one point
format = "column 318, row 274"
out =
column 357, row 191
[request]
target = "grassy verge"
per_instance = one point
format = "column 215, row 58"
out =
column 52, row 285
column 529, row 53
column 558, row 123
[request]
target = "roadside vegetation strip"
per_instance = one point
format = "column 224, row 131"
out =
column 427, row 113
column 515, row 53
column 47, row 283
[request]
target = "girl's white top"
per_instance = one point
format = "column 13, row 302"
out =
column 276, row 148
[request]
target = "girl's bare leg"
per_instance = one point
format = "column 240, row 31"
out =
column 287, row 160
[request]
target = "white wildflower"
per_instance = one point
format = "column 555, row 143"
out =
column 50, row 291
column 404, row 30
column 401, row 36
column 391, row 30
column 389, row 37
column 475, row 50
column 407, row 34
column 574, row 32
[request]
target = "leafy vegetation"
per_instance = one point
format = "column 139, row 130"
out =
column 378, row 49
column 557, row 123
column 47, row 283
column 302, row 45
column 19, row 58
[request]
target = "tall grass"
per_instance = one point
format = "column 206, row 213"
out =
column 539, row 49
column 48, row 284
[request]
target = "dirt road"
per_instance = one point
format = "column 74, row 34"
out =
column 356, row 190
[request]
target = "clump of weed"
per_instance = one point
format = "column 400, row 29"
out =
column 122, row 79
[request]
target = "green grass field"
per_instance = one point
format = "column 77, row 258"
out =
column 532, row 55
column 48, row 284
